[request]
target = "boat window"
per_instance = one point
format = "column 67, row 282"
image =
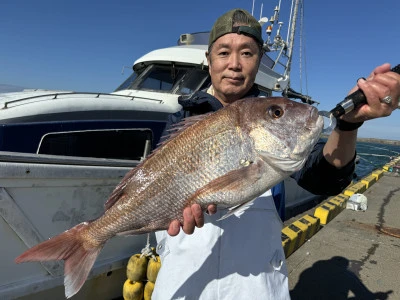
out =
column 125, row 85
column 264, row 92
column 130, row 144
column 267, row 61
column 194, row 80
column 173, row 79
column 162, row 78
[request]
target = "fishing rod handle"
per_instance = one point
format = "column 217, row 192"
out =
column 354, row 100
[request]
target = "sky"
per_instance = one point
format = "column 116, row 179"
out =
column 85, row 45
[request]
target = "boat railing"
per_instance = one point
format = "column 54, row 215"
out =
column 30, row 158
column 60, row 95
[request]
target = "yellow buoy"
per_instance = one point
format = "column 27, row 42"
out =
column 133, row 290
column 148, row 290
column 137, row 268
column 152, row 268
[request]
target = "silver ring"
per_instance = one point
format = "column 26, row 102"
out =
column 387, row 100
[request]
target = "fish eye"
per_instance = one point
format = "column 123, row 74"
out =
column 275, row 111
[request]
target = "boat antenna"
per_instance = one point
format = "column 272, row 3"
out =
column 289, row 92
column 301, row 49
column 125, row 67
column 277, row 39
column 290, row 43
column 277, row 9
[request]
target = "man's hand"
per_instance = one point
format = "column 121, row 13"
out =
column 192, row 217
column 340, row 148
column 378, row 85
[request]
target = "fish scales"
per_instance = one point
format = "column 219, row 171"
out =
column 227, row 158
column 201, row 154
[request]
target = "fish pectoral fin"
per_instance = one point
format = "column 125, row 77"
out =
column 237, row 210
column 233, row 181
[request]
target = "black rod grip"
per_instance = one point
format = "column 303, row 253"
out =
column 354, row 100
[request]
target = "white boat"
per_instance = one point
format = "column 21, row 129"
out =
column 63, row 152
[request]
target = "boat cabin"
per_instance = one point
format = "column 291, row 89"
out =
column 125, row 124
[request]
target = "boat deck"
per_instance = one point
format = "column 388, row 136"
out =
column 356, row 255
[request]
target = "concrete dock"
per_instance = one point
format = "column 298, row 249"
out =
column 356, row 255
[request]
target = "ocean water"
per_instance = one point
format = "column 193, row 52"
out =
column 373, row 156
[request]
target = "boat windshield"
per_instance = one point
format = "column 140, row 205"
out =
column 125, row 85
column 167, row 78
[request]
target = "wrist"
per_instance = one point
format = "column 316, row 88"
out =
column 347, row 126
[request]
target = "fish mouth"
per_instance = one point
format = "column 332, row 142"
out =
column 301, row 152
column 314, row 126
column 317, row 126
column 314, row 121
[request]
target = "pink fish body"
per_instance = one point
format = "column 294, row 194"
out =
column 227, row 158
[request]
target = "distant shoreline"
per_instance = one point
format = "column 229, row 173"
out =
column 376, row 141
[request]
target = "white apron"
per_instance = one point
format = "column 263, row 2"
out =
column 235, row 258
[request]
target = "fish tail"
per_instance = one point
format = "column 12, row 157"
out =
column 79, row 256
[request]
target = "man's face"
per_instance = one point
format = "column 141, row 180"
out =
column 233, row 64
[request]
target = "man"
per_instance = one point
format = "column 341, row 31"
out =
column 241, row 257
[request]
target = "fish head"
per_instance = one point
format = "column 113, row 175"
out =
column 283, row 131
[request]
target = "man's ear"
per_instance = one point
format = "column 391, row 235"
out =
column 208, row 56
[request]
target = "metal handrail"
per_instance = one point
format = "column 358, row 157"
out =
column 18, row 157
column 56, row 96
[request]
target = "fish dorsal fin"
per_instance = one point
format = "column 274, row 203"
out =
column 237, row 210
column 119, row 191
column 116, row 195
column 177, row 128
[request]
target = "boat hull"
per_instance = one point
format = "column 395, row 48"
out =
column 41, row 199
